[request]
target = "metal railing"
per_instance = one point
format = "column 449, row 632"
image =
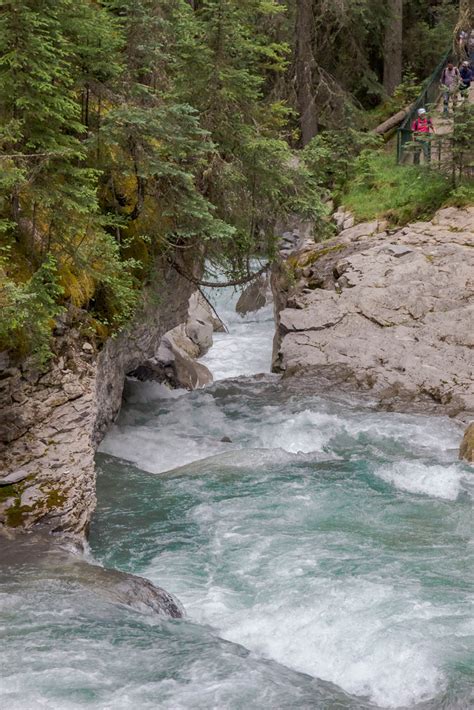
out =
column 428, row 98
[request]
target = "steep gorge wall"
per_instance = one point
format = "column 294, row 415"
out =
column 52, row 421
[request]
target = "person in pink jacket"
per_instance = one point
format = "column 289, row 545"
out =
column 422, row 128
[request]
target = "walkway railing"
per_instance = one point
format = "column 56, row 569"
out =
column 428, row 98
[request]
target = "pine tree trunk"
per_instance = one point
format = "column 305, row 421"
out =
column 466, row 15
column 393, row 47
column 304, row 66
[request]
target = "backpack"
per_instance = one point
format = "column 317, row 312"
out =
column 443, row 76
column 416, row 125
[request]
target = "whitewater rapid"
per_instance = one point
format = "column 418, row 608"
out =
column 322, row 550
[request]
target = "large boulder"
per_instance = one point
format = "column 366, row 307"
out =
column 200, row 333
column 175, row 363
column 52, row 561
column 390, row 310
column 466, row 451
column 201, row 311
column 255, row 296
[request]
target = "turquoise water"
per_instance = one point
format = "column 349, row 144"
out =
column 350, row 561
column 324, row 558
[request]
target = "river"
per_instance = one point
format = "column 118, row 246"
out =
column 322, row 551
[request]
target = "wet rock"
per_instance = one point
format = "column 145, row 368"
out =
column 55, row 561
column 121, row 588
column 255, row 296
column 226, row 440
column 466, row 451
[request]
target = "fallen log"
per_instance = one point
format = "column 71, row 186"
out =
column 392, row 122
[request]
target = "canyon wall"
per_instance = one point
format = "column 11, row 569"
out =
column 52, row 419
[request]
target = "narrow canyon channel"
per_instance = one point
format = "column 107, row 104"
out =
column 322, row 551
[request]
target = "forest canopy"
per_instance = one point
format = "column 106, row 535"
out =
column 131, row 129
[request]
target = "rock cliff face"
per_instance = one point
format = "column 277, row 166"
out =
column 52, row 421
column 388, row 313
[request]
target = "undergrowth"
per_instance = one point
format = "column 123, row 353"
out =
column 381, row 189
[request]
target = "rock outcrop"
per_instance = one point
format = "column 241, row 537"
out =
column 466, row 451
column 175, row 362
column 256, row 296
column 52, row 561
column 390, row 313
column 52, row 421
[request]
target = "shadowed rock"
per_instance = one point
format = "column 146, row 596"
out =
column 255, row 296
column 50, row 560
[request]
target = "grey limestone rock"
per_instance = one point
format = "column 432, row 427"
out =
column 466, row 451
column 52, row 420
column 255, row 296
column 52, row 560
column 396, row 312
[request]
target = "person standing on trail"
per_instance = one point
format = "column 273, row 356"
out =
column 466, row 75
column 463, row 39
column 450, row 85
column 422, row 128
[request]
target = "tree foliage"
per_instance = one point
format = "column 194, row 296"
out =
column 131, row 129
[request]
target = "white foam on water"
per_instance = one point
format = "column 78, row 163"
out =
column 144, row 392
column 341, row 636
column 426, row 479
column 255, row 567
column 245, row 350
column 437, row 434
column 369, row 638
column 258, row 576
column 305, row 431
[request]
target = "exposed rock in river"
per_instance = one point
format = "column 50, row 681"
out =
column 255, row 296
column 390, row 312
column 175, row 362
column 466, row 450
column 55, row 562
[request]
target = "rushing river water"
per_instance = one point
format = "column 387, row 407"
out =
column 323, row 555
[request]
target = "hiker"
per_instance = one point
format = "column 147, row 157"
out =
column 422, row 128
column 463, row 39
column 450, row 86
column 466, row 75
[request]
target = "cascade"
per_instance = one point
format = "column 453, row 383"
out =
column 320, row 549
